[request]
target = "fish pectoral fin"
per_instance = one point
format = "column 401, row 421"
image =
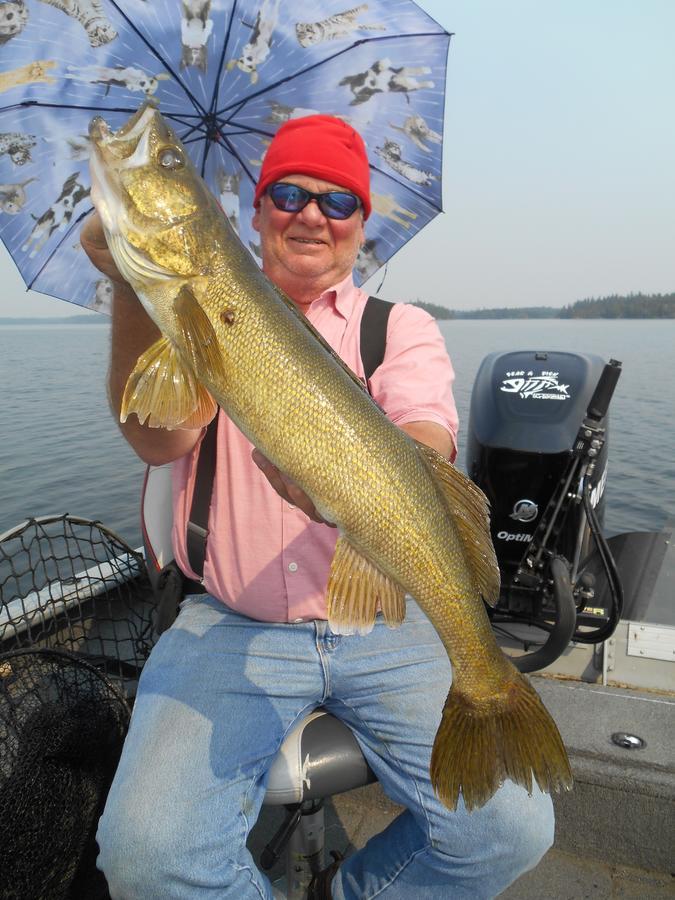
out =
column 355, row 587
column 163, row 392
column 199, row 336
column 204, row 411
column 471, row 513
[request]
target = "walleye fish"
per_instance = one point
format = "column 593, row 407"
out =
column 408, row 521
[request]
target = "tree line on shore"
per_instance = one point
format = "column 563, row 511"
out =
column 631, row 306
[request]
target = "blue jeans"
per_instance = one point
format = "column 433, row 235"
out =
column 216, row 699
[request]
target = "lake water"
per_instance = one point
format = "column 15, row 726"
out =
column 60, row 450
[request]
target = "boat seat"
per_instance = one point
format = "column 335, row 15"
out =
column 318, row 758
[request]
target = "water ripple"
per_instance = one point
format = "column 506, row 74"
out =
column 61, row 450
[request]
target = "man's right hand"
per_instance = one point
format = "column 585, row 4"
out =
column 92, row 238
column 132, row 333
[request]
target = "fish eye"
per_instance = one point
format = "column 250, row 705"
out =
column 170, row 158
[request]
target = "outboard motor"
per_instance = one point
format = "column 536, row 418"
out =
column 537, row 447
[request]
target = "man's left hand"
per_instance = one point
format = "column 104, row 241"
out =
column 427, row 432
column 287, row 489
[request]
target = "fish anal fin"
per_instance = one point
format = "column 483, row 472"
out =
column 199, row 337
column 162, row 391
column 477, row 748
column 355, row 588
column 470, row 510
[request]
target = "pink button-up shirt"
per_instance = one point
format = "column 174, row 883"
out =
column 265, row 558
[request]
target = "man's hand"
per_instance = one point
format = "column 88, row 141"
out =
column 427, row 432
column 92, row 238
column 287, row 489
column 433, row 435
column 132, row 332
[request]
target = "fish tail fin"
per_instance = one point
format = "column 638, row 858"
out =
column 475, row 750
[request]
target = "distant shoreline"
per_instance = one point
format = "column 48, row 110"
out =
column 92, row 319
column 632, row 306
column 616, row 306
column 453, row 315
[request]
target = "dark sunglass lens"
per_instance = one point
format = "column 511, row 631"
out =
column 339, row 205
column 291, row 198
column 288, row 197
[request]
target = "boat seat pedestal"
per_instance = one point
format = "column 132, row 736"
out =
column 319, row 757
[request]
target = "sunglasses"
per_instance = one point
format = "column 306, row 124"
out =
column 333, row 204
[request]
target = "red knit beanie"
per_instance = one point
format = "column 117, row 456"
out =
column 321, row 146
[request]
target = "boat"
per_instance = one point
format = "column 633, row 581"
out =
column 591, row 617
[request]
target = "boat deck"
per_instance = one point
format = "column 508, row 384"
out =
column 615, row 832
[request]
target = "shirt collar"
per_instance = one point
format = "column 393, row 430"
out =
column 341, row 296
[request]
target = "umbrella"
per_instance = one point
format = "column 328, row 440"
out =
column 227, row 74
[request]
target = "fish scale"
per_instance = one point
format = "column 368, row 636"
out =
column 408, row 521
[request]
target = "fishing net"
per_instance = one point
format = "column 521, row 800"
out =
column 70, row 583
column 62, row 724
column 76, row 626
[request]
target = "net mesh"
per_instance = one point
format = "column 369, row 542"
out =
column 70, row 583
column 62, row 724
column 76, row 626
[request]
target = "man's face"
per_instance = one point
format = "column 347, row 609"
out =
column 304, row 253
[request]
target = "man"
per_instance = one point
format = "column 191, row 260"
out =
column 245, row 661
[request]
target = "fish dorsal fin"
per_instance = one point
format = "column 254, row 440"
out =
column 470, row 510
column 163, row 392
column 355, row 587
column 199, row 338
column 324, row 343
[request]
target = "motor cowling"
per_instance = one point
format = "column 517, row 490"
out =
column 526, row 411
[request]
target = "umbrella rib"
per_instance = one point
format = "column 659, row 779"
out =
column 207, row 147
column 197, row 105
column 191, row 138
column 192, row 127
column 370, row 40
column 45, row 105
column 65, row 237
column 221, row 62
column 228, row 143
column 184, row 119
column 409, row 187
column 214, row 96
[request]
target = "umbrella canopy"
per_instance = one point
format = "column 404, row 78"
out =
column 226, row 75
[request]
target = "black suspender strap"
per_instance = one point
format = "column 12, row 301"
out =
column 374, row 334
column 373, row 342
column 197, row 527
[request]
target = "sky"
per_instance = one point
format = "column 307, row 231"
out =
column 559, row 161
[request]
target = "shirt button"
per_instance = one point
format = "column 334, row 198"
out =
column 293, row 567
column 291, row 506
column 297, row 621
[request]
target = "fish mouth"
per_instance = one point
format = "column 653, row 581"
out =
column 120, row 144
column 116, row 153
column 117, row 150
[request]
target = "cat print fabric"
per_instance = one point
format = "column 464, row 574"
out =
column 226, row 75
